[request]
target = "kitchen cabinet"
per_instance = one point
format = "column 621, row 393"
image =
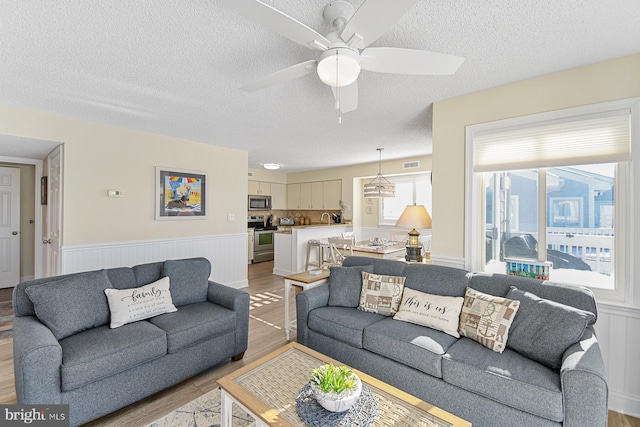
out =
column 278, row 196
column 331, row 194
column 316, row 195
column 305, row 195
column 293, row 196
column 259, row 188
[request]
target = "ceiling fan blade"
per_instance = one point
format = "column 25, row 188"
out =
column 277, row 21
column 348, row 97
column 408, row 61
column 372, row 19
column 289, row 73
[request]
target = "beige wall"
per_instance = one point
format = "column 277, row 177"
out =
column 267, row 176
column 27, row 216
column 607, row 81
column 98, row 157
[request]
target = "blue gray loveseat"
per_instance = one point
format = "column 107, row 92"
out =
column 550, row 372
column 65, row 351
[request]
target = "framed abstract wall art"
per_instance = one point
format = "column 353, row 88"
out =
column 180, row 194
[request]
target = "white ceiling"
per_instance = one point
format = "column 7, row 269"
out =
column 174, row 67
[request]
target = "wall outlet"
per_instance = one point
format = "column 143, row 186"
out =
column 114, row 193
column 231, row 217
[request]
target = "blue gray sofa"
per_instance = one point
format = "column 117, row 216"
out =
column 460, row 375
column 80, row 361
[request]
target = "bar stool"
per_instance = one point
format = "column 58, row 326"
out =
column 319, row 247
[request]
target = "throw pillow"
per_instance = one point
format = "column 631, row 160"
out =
column 345, row 284
column 381, row 294
column 435, row 311
column 544, row 329
column 130, row 305
column 189, row 279
column 73, row 304
column 486, row 319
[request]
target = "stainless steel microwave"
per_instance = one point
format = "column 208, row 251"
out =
column 259, row 203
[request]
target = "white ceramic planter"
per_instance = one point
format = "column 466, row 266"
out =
column 337, row 402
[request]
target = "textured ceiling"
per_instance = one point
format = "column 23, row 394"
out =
column 174, row 67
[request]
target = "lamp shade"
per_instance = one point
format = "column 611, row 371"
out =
column 414, row 216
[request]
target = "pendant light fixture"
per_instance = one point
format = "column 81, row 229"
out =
column 380, row 186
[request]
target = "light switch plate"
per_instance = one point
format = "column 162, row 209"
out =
column 231, row 217
column 114, row 193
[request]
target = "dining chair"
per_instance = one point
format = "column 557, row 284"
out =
column 339, row 249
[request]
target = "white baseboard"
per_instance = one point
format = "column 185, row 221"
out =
column 624, row 404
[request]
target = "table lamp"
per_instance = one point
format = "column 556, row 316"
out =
column 414, row 216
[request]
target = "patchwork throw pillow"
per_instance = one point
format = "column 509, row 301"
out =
column 435, row 311
column 536, row 331
column 345, row 284
column 73, row 304
column 130, row 305
column 381, row 294
column 486, row 319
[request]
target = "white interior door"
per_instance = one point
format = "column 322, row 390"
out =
column 9, row 227
column 53, row 241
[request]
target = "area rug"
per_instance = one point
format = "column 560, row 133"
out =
column 202, row 412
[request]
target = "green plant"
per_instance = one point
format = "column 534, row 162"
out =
column 334, row 379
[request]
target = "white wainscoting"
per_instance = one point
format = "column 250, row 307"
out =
column 448, row 261
column 618, row 330
column 226, row 252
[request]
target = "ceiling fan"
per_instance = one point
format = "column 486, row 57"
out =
column 345, row 51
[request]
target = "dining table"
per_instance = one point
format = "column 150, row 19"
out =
column 386, row 250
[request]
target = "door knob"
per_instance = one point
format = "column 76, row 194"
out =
column 46, row 241
column 15, row 233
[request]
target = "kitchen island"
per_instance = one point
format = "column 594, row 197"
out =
column 291, row 245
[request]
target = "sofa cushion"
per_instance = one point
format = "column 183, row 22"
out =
column 130, row 305
column 345, row 284
column 434, row 311
column 102, row 352
column 436, row 279
column 72, row 304
column 380, row 266
column 509, row 378
column 189, row 279
column 380, row 293
column 487, row 319
column 416, row 346
column 342, row 323
column 535, row 330
column 194, row 323
column 146, row 273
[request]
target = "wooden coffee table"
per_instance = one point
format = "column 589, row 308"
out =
column 267, row 390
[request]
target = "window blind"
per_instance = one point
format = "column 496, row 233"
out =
column 594, row 138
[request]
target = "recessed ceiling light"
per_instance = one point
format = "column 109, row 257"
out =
column 271, row 166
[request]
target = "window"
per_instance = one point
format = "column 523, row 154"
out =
column 556, row 189
column 410, row 189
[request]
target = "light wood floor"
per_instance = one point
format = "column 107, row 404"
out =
column 265, row 335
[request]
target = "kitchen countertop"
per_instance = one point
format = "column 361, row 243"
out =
column 320, row 225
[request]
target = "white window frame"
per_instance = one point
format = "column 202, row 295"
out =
column 627, row 177
column 397, row 179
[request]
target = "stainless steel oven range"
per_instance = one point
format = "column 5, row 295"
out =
column 263, row 238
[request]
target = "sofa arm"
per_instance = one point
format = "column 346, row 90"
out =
column 238, row 301
column 305, row 302
column 584, row 383
column 37, row 358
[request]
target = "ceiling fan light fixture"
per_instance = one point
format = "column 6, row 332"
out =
column 271, row 166
column 338, row 67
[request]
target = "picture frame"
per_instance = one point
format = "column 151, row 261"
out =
column 44, row 188
column 180, row 194
column 528, row 268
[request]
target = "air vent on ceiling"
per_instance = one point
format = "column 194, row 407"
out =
column 411, row 165
column 250, row 174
